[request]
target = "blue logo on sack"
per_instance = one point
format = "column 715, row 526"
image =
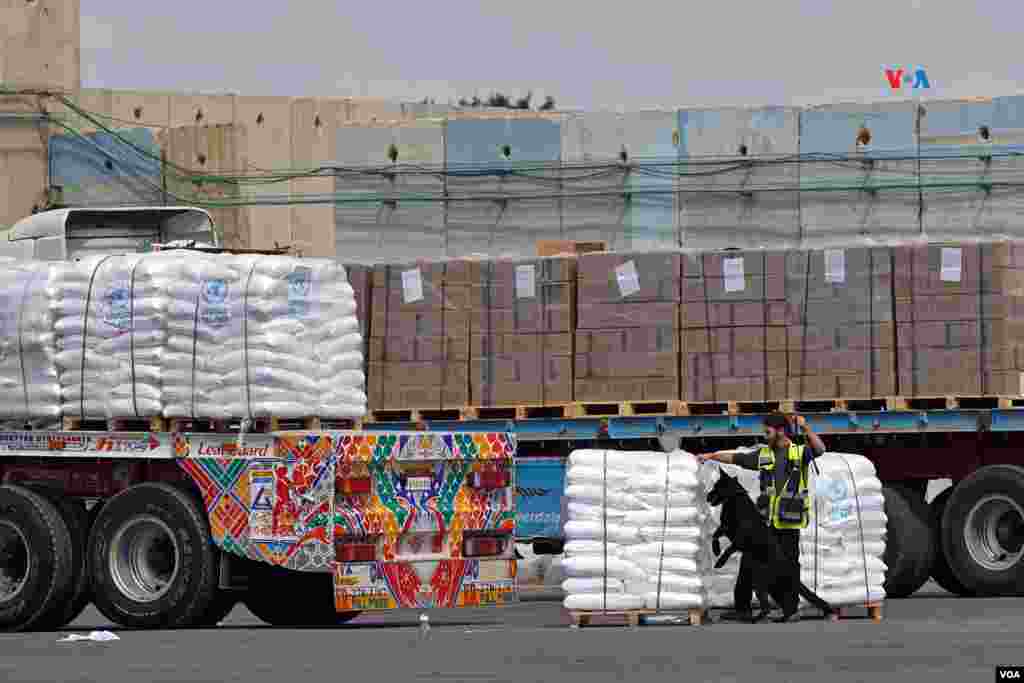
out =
column 117, row 305
column 215, row 291
column 215, row 294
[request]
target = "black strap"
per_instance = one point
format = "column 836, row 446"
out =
column 664, row 530
column 131, row 332
column 245, row 338
column 604, row 530
column 85, row 335
column 195, row 340
column 21, row 338
column 860, row 524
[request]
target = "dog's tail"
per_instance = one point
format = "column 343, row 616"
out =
column 815, row 599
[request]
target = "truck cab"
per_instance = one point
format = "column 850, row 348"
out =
column 69, row 234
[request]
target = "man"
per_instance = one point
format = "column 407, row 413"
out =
column 783, row 468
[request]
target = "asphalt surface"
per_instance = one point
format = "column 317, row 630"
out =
column 931, row 637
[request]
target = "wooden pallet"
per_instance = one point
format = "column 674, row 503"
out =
column 729, row 407
column 897, row 403
column 874, row 612
column 555, row 411
column 417, row 415
column 261, row 425
column 115, row 424
column 632, row 618
column 628, row 408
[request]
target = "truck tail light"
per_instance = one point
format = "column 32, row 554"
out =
column 355, row 486
column 491, row 480
column 355, row 549
column 483, row 546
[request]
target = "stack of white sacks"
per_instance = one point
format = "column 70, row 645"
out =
column 108, row 317
column 29, row 390
column 635, row 531
column 187, row 334
column 841, row 550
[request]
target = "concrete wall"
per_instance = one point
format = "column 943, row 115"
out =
column 39, row 48
column 215, row 134
column 803, row 181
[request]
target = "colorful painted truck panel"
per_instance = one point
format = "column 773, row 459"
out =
column 401, row 519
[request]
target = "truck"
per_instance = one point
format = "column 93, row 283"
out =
column 170, row 524
column 70, row 233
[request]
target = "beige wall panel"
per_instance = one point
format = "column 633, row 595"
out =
column 215, row 109
column 141, row 108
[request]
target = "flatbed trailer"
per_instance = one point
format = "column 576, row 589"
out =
column 172, row 529
column 969, row 539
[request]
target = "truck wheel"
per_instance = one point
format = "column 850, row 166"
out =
column 287, row 598
column 909, row 547
column 36, row 559
column 984, row 526
column 77, row 519
column 152, row 561
column 941, row 571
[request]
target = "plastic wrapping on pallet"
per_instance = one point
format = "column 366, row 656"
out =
column 634, row 531
column 29, row 390
column 207, row 335
column 841, row 550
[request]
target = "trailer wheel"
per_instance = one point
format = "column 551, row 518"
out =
column 281, row 597
column 36, row 559
column 984, row 526
column 941, row 571
column 909, row 547
column 152, row 560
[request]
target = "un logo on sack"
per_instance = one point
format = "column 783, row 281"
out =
column 215, row 291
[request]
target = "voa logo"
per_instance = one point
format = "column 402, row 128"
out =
column 915, row 79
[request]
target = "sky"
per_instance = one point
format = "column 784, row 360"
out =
column 588, row 55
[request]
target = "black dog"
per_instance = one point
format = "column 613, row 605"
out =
column 774, row 574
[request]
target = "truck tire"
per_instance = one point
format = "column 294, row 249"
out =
column 942, row 573
column 983, row 526
column 909, row 547
column 78, row 521
column 151, row 558
column 288, row 598
column 36, row 559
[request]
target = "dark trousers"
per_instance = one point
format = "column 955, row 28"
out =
column 789, row 540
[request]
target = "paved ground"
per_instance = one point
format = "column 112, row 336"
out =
column 932, row 637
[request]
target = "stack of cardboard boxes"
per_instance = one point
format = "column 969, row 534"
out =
column 419, row 336
column 958, row 319
column 521, row 322
column 734, row 326
column 840, row 333
column 627, row 328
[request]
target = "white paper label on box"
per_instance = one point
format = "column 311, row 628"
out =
column 412, row 286
column 952, row 258
column 526, row 282
column 835, row 265
column 732, row 268
column 629, row 280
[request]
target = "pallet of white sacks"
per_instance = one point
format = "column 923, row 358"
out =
column 634, row 617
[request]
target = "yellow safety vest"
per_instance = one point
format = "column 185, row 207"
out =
column 769, row 500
